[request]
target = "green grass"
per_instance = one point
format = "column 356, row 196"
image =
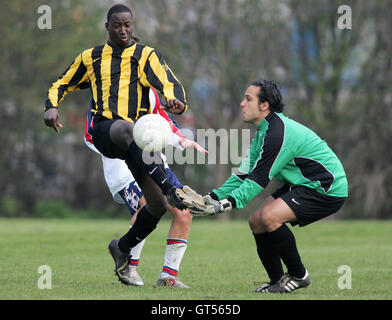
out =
column 221, row 261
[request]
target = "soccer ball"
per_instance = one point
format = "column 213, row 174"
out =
column 152, row 132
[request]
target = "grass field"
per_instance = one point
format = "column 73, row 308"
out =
column 220, row 264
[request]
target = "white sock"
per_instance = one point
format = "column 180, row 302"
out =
column 135, row 252
column 175, row 250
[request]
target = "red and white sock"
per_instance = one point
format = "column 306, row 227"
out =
column 175, row 250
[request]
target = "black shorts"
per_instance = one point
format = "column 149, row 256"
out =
column 307, row 204
column 101, row 139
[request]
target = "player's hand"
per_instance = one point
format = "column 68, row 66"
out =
column 51, row 119
column 186, row 143
column 174, row 106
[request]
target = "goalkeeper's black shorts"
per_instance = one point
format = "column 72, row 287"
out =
column 307, row 204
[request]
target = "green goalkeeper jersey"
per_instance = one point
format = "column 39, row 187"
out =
column 290, row 152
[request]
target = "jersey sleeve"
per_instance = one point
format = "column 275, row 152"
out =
column 74, row 78
column 230, row 184
column 235, row 180
column 158, row 75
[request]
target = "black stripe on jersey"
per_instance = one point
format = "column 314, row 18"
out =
column 273, row 142
column 78, row 75
column 60, row 91
column 133, row 81
column 115, row 71
column 315, row 171
column 151, row 76
column 145, row 100
column 84, row 85
column 96, row 56
column 241, row 175
column 48, row 104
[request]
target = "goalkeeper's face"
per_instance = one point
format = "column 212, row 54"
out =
column 252, row 110
column 120, row 28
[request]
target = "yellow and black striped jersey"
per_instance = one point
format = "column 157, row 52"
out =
column 119, row 80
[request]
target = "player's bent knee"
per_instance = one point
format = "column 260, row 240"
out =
column 180, row 217
column 252, row 222
column 121, row 133
column 268, row 220
column 262, row 221
column 127, row 132
column 184, row 219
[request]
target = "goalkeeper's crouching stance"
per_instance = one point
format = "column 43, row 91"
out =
column 313, row 178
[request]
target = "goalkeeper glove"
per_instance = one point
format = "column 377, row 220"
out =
column 210, row 207
column 189, row 197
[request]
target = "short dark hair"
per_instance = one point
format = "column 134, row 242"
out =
column 118, row 8
column 270, row 92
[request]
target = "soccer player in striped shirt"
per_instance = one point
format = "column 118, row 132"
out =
column 120, row 74
column 125, row 190
column 313, row 178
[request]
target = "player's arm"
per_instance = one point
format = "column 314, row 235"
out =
column 272, row 158
column 74, row 78
column 234, row 182
column 158, row 75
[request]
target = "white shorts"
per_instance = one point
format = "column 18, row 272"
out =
column 117, row 174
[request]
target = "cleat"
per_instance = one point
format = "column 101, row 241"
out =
column 263, row 287
column 134, row 277
column 174, row 200
column 171, row 282
column 287, row 284
column 121, row 263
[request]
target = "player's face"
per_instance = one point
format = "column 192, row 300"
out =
column 120, row 28
column 250, row 106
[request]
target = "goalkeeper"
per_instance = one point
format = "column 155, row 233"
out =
column 313, row 178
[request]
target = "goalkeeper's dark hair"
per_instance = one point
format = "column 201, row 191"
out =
column 270, row 92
